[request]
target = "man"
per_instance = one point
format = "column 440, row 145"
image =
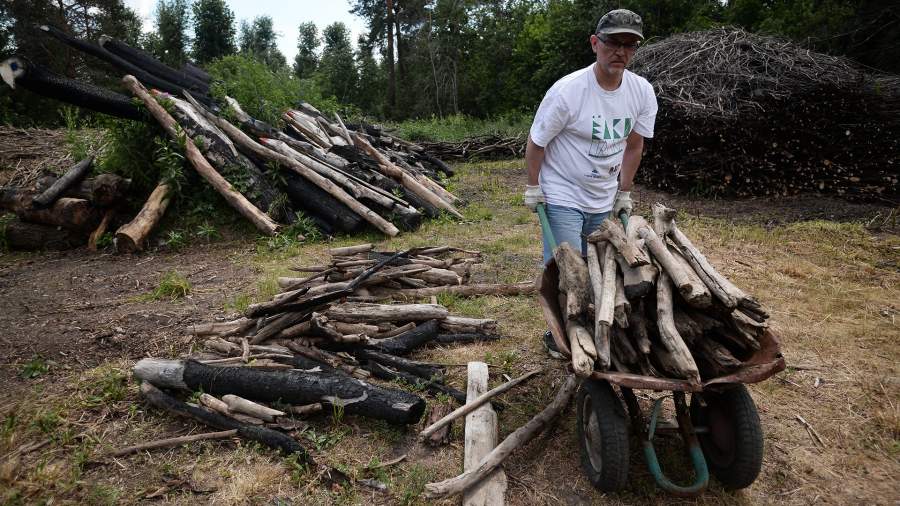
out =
column 585, row 144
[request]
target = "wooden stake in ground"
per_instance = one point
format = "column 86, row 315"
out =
column 481, row 437
column 232, row 196
column 515, row 440
column 132, row 236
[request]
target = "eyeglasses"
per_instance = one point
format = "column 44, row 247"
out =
column 616, row 45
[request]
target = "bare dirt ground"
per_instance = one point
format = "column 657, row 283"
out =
column 72, row 324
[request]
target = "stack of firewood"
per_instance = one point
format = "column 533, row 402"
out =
column 487, row 147
column 317, row 343
column 648, row 302
column 62, row 212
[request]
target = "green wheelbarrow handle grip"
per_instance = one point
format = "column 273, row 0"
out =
column 701, row 472
column 545, row 225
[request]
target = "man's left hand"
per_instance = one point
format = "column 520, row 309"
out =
column 623, row 203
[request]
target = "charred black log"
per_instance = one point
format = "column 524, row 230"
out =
column 421, row 369
column 75, row 174
column 320, row 204
column 465, row 338
column 38, row 79
column 147, row 62
column 143, row 76
column 386, row 373
column 291, row 387
column 196, row 72
column 410, row 340
column 33, row 236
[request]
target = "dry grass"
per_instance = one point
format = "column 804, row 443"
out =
column 832, row 288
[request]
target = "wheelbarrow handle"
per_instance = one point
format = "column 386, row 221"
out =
column 701, row 472
column 545, row 226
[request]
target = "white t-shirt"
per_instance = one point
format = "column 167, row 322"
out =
column 583, row 129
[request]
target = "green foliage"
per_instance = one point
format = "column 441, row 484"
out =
column 207, row 232
column 259, row 41
column 78, row 143
column 262, row 93
column 171, row 46
column 459, row 127
column 106, row 385
column 35, row 367
column 238, row 304
column 172, row 286
column 175, row 240
column 308, row 42
column 337, row 70
column 129, row 151
column 214, row 32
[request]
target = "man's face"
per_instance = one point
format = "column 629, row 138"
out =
column 614, row 51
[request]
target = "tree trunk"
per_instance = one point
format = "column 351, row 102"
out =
column 392, row 76
column 105, row 190
column 374, row 313
column 33, row 236
column 410, row 340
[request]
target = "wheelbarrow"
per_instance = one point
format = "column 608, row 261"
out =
column 719, row 424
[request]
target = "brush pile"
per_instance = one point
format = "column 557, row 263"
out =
column 343, row 180
column 488, row 147
column 323, row 340
column 743, row 114
column 647, row 302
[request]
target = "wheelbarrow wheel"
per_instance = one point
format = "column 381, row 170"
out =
column 733, row 445
column 603, row 433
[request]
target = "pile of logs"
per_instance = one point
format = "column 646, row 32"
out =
column 343, row 180
column 63, row 212
column 322, row 342
column 648, row 302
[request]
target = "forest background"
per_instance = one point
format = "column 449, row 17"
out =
column 453, row 62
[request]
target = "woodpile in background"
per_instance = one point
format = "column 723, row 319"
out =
column 488, row 147
column 648, row 302
column 324, row 342
column 743, row 114
column 343, row 180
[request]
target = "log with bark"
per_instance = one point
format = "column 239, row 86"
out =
column 72, row 176
column 132, row 236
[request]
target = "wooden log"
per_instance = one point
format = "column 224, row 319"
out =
column 515, row 440
column 622, row 345
column 34, row 236
column 402, row 177
column 305, row 410
column 607, row 308
column 601, row 345
column 350, row 250
column 638, row 280
column 214, row 403
column 423, row 370
column 668, row 334
column 150, row 64
column 574, row 280
column 404, row 343
column 622, row 307
column 291, row 387
column 72, row 176
column 240, row 405
column 577, row 332
column 637, row 327
column 132, row 236
column 611, row 230
column 354, row 328
column 661, row 254
column 69, row 213
column 465, row 338
column 441, row 277
column 372, row 313
column 220, row 328
column 473, row 404
column 268, row 437
column 234, row 198
column 718, row 356
column 277, row 325
column 454, row 323
column 171, row 442
column 104, row 190
column 700, row 295
column 389, row 330
column 246, row 143
column 719, row 285
column 481, row 436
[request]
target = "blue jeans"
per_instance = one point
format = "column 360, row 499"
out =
column 572, row 226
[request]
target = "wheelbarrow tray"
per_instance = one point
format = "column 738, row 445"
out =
column 764, row 363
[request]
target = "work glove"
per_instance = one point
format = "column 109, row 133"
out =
column 623, row 203
column 533, row 196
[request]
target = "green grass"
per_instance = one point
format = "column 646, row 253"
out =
column 172, row 286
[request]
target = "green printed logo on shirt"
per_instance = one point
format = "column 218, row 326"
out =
column 607, row 134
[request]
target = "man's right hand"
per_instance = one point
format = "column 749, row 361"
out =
column 533, row 196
